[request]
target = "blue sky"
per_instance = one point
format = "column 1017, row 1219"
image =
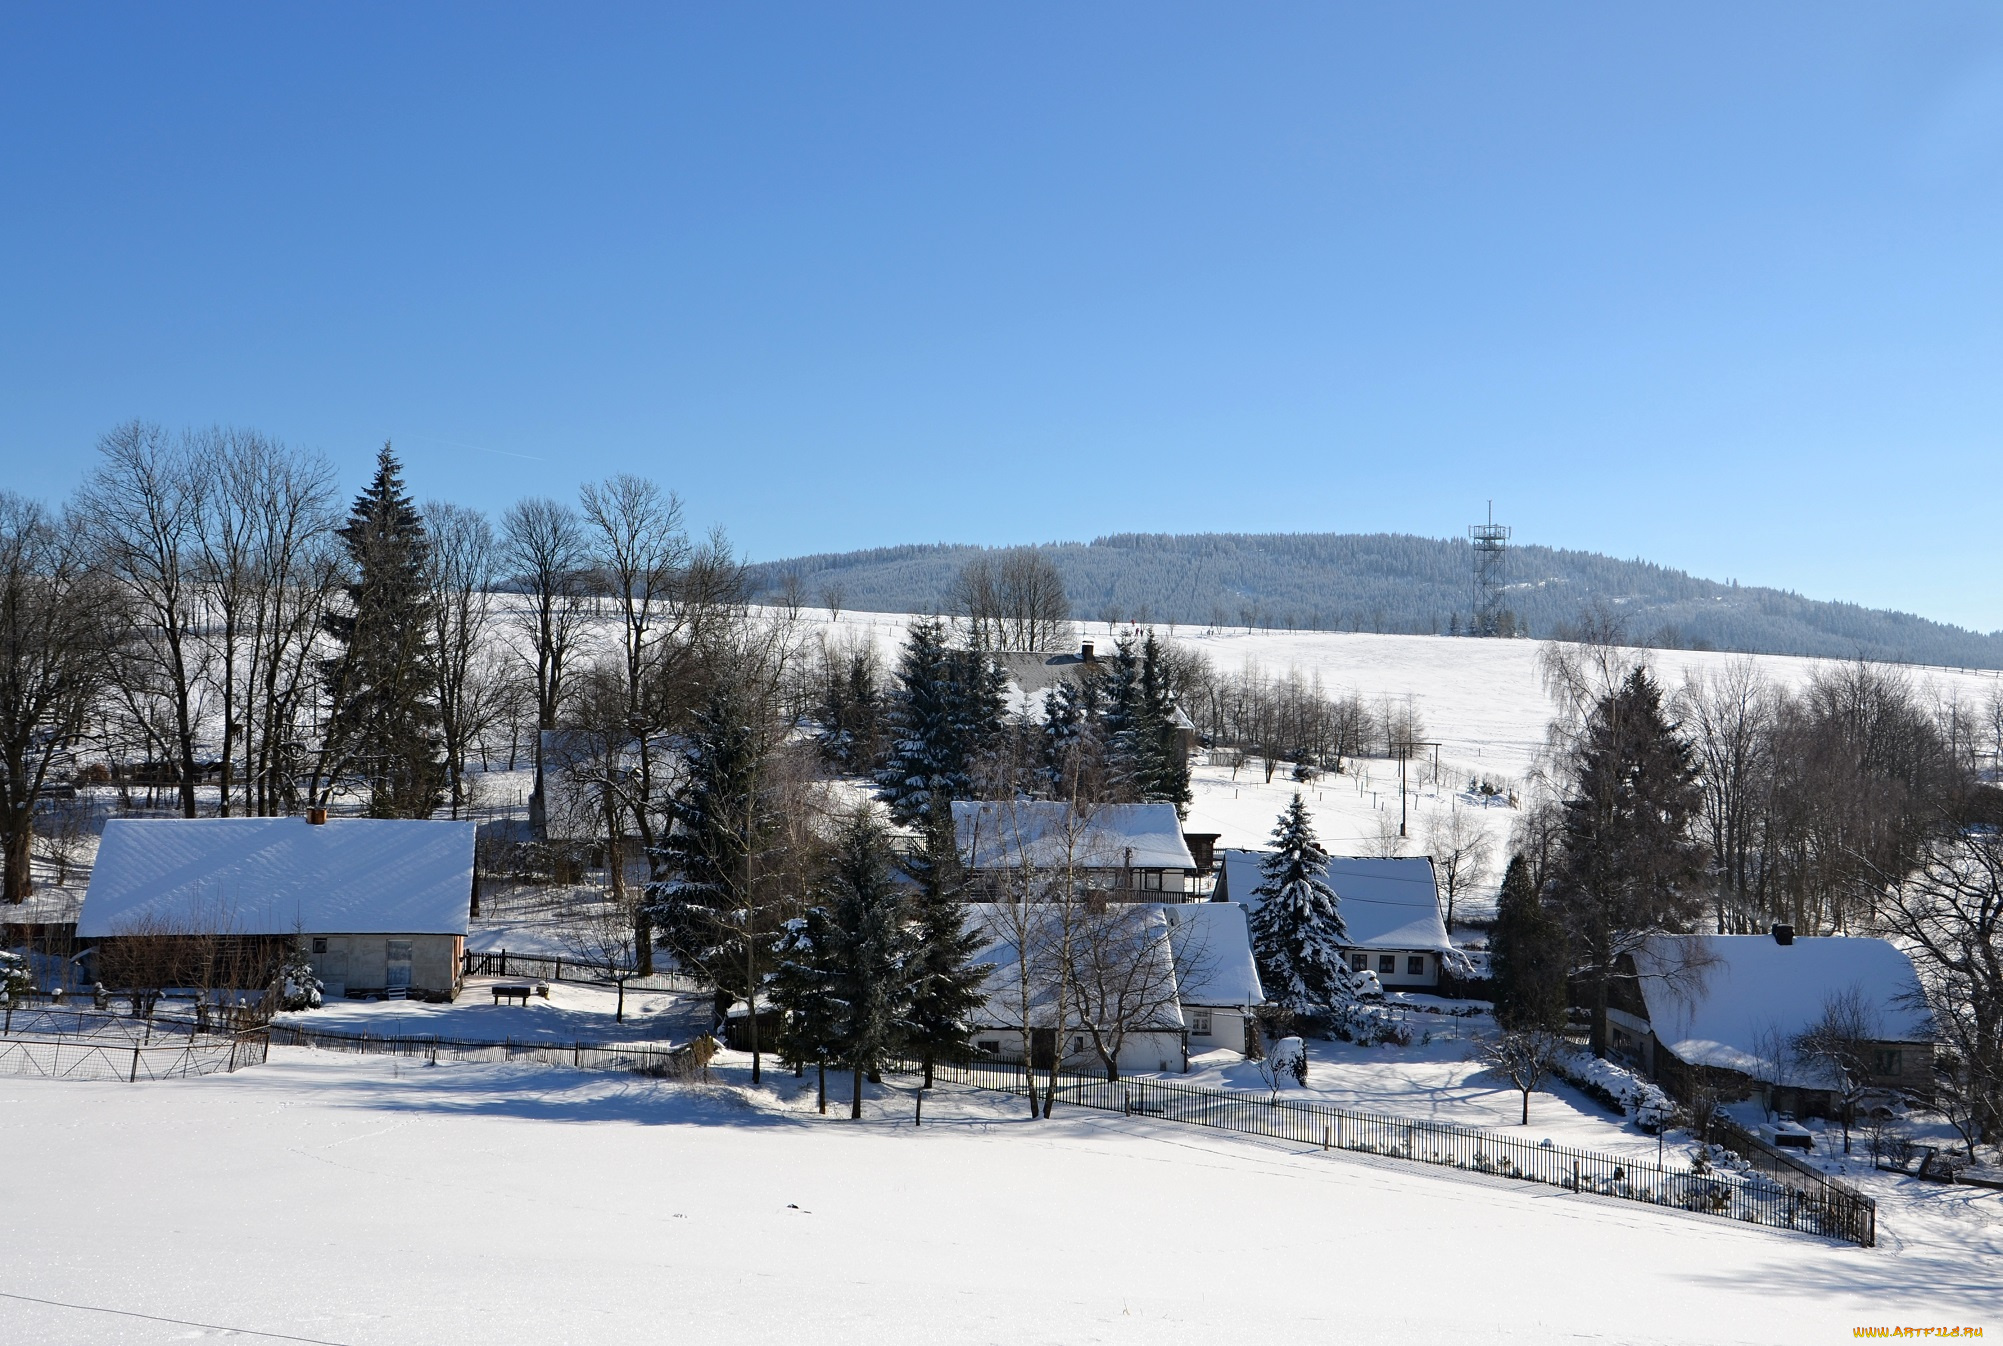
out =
column 1720, row 286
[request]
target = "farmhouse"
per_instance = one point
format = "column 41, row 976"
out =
column 1730, row 1010
column 1123, row 852
column 1391, row 909
column 1158, row 981
column 380, row 904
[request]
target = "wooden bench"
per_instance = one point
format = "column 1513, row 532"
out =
column 521, row 993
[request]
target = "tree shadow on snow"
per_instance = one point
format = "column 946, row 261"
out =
column 542, row 1094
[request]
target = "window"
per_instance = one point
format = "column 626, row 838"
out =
column 1078, row 1044
column 1387, row 962
column 1885, row 1061
column 1415, row 966
column 988, row 1046
column 1199, row 1023
column 1359, row 962
column 319, row 945
column 1151, row 881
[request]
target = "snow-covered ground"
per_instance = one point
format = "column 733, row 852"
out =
column 356, row 1200
column 573, row 1012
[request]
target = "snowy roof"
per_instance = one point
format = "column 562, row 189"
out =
column 1385, row 904
column 1048, row 834
column 275, row 876
column 1193, row 943
column 1213, row 953
column 1728, row 1000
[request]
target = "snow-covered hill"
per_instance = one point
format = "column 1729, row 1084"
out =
column 1482, row 701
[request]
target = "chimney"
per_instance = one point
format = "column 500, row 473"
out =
column 1085, row 652
column 316, row 817
column 1783, row 934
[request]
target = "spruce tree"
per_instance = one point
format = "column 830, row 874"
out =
column 1297, row 931
column 1630, row 865
column 946, row 712
column 383, row 720
column 797, row 990
column 1144, row 748
column 1526, row 957
column 866, row 954
column 704, row 912
column 947, row 985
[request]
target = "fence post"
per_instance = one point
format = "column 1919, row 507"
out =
column 918, row 1109
column 1324, row 1138
column 1575, row 1175
column 133, row 1078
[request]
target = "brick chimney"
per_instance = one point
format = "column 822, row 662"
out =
column 1783, row 934
column 1085, row 652
column 316, row 817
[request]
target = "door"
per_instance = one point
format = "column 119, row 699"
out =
column 396, row 980
column 1042, row 1048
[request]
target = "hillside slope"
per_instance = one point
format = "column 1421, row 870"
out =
column 1385, row 582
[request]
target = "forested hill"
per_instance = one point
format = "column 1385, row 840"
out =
column 1394, row 583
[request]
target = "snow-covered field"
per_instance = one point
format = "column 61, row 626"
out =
column 338, row 1199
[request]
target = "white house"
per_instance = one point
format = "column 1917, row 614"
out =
column 380, row 903
column 1733, row 1006
column 1391, row 909
column 1131, row 852
column 1181, row 974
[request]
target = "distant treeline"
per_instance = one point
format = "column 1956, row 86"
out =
column 1388, row 582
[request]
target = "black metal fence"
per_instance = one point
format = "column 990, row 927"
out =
column 1830, row 1209
column 64, row 1044
column 639, row 1058
column 547, row 968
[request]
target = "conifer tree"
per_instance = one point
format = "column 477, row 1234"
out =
column 1297, row 931
column 864, row 952
column 1630, row 865
column 1145, row 750
column 946, row 712
column 947, row 985
column 797, row 990
column 705, row 911
column 383, row 719
column 1526, row 957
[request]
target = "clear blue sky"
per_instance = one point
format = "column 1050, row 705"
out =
column 1721, row 286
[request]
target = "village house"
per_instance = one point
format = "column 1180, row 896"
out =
column 380, row 904
column 1119, row 852
column 1728, row 1012
column 1169, row 981
column 1389, row 907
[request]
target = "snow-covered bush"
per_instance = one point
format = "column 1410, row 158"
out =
column 1369, row 1026
column 1617, row 1087
column 15, row 979
column 298, row 988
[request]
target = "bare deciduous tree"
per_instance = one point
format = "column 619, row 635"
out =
column 463, row 562
column 1522, row 1057
column 1014, row 601
column 1463, row 854
column 59, row 618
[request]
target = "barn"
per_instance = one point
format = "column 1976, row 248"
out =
column 380, row 904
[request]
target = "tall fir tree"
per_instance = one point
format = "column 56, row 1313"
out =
column 864, row 954
column 1526, row 956
column 1144, row 744
column 704, row 911
column 797, row 989
column 383, row 726
column 1297, row 932
column 1630, row 865
column 947, row 985
column 946, row 711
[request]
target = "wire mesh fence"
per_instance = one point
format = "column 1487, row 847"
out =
column 64, row 1044
column 659, row 1059
column 1824, row 1207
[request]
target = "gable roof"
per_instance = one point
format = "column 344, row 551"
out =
column 1003, row 986
column 1000, row 835
column 1213, row 953
column 1724, row 1000
column 275, row 876
column 1385, row 904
